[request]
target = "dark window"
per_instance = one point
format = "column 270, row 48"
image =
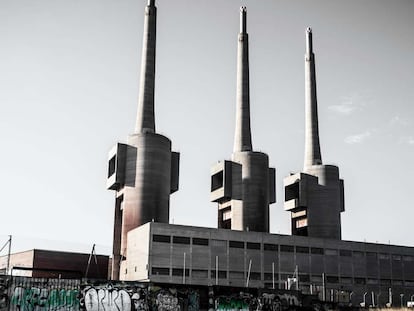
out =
column 397, row 282
column 111, row 166
column 302, row 249
column 161, row 238
column 181, row 240
column 345, row 253
column 255, row 276
column 359, row 281
column 385, row 282
column 316, row 251
column 292, row 191
column 304, row 278
column 396, row 257
column 332, row 279
column 287, row 248
column 160, row 271
column 200, row 241
column 371, row 255
column 236, row 244
column 270, row 247
column 221, row 274
column 251, row 245
column 217, row 181
column 179, row 272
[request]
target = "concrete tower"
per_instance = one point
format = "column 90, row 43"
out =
column 143, row 172
column 245, row 186
column 315, row 197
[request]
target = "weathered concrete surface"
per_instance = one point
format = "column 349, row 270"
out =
column 145, row 171
column 245, row 186
column 314, row 197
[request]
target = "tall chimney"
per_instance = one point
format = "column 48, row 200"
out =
column 145, row 114
column 242, row 138
column 312, row 147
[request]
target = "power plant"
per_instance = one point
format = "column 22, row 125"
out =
column 156, row 265
column 241, row 252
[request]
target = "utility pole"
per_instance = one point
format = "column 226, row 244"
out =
column 9, row 241
column 93, row 253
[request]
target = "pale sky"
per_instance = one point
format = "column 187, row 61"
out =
column 69, row 76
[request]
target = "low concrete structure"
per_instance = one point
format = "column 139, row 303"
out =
column 204, row 256
column 245, row 186
column 143, row 172
column 315, row 197
column 40, row 263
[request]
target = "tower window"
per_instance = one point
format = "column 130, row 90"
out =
column 292, row 191
column 217, row 181
column 112, row 166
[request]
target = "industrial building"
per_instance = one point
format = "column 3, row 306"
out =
column 40, row 263
column 241, row 252
column 166, row 253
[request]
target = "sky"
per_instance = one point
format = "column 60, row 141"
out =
column 69, row 76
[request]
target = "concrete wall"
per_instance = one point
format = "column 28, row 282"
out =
column 243, row 189
column 346, row 266
column 149, row 174
column 316, row 200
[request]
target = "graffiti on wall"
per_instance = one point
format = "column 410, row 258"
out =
column 37, row 294
column 264, row 302
column 36, row 298
column 137, row 297
column 113, row 298
column 240, row 302
column 4, row 297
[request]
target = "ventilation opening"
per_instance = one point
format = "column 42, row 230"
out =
column 225, row 218
column 292, row 191
column 111, row 166
column 217, row 181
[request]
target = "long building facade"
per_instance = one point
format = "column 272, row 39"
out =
column 176, row 254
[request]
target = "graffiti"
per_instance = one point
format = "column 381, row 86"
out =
column 193, row 301
column 37, row 299
column 166, row 301
column 112, row 298
column 240, row 302
column 277, row 301
column 4, row 298
column 127, row 297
